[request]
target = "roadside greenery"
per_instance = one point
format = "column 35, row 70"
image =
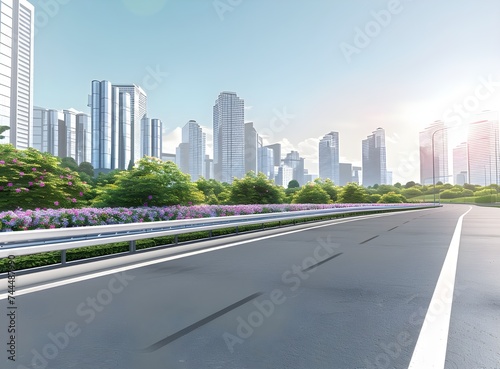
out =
column 30, row 179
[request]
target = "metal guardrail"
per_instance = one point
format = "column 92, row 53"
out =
column 39, row 241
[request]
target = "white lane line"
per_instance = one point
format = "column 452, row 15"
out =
column 430, row 350
column 180, row 256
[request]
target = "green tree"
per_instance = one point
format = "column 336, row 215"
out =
column 352, row 193
column 410, row 184
column 256, row 189
column 398, row 185
column 411, row 192
column 215, row 192
column 311, row 193
column 2, row 130
column 86, row 167
column 290, row 193
column 69, row 163
column 31, row 179
column 293, row 184
column 374, row 198
column 151, row 182
column 392, row 198
column 327, row 186
column 383, row 189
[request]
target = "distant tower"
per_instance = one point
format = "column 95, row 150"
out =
column 374, row 159
column 229, row 137
column 440, row 154
column 329, row 157
column 17, row 21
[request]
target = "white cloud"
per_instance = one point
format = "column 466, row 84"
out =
column 171, row 140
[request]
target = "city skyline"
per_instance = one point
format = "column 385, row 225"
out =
column 298, row 84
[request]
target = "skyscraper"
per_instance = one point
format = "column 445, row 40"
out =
column 46, row 124
column 346, row 176
column 483, row 151
column 16, row 71
column 266, row 162
column 276, row 153
column 460, row 167
column 229, row 137
column 374, row 159
column 138, row 110
column 103, row 115
column 294, row 161
column 440, row 154
column 194, row 140
column 329, row 157
column 251, row 148
column 83, row 138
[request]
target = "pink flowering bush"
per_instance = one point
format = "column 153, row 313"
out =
column 61, row 218
column 29, row 178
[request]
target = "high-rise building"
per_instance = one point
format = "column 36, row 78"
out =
column 46, row 124
column 294, row 161
column 284, row 175
column 193, row 146
column 389, row 178
column 124, row 132
column 229, row 137
column 209, row 167
column 251, row 148
column 138, row 110
column 62, row 133
column 483, row 151
column 356, row 176
column 83, row 138
column 182, row 157
column 438, row 130
column 16, row 71
column 460, row 166
column 345, row 174
column 266, row 162
column 276, row 153
column 104, row 119
column 374, row 159
column 329, row 157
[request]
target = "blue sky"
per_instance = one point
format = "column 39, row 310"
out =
column 284, row 57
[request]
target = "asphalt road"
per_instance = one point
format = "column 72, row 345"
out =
column 347, row 294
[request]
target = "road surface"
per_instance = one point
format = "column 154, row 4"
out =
column 344, row 294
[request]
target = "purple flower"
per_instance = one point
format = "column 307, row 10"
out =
column 10, row 184
column 42, row 184
column 2, row 162
column 33, row 169
column 73, row 200
column 14, row 160
column 56, row 203
column 81, row 193
column 21, row 174
column 70, row 183
column 30, row 183
column 150, row 197
column 18, row 190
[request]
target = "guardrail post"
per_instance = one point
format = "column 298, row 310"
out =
column 210, row 234
column 63, row 257
column 237, row 230
column 279, row 224
column 132, row 247
column 176, row 239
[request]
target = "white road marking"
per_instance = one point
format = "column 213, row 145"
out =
column 180, row 256
column 430, row 350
